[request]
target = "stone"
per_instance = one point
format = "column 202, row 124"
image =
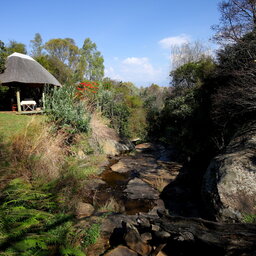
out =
column 155, row 228
column 134, row 241
column 84, row 210
column 143, row 222
column 229, row 184
column 162, row 235
column 158, row 207
column 145, row 237
column 138, row 189
column 94, row 184
column 120, row 167
column 121, row 251
column 114, row 221
column 161, row 253
column 144, row 146
column 81, row 154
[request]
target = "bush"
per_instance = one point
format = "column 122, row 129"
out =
column 66, row 110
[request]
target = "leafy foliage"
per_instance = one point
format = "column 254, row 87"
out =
column 3, row 55
column 63, row 49
column 192, row 73
column 14, row 46
column 37, row 45
column 122, row 104
column 91, row 61
column 250, row 218
column 92, row 234
column 65, row 110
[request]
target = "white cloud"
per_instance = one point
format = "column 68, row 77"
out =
column 140, row 71
column 135, row 61
column 169, row 42
column 140, row 68
column 110, row 72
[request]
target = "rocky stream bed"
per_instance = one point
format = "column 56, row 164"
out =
column 126, row 200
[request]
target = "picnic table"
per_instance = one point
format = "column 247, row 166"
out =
column 28, row 105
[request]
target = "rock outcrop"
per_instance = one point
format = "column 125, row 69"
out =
column 107, row 138
column 168, row 235
column 229, row 185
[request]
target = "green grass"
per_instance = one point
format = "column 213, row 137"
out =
column 250, row 218
column 10, row 123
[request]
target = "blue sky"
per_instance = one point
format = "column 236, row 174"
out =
column 134, row 36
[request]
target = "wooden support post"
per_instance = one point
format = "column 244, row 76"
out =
column 18, row 100
column 43, row 100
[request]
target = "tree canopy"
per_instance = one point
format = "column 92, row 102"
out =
column 3, row 55
column 14, row 46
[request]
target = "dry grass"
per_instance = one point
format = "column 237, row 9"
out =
column 110, row 206
column 100, row 129
column 159, row 183
column 37, row 152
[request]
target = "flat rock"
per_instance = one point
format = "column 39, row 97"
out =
column 120, row 167
column 138, row 189
column 121, row 251
column 144, row 146
column 114, row 221
column 94, row 184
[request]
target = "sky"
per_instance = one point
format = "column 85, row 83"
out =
column 134, row 36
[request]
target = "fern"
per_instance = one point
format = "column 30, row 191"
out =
column 29, row 226
column 66, row 251
column 92, row 235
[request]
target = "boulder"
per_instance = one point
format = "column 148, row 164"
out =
column 134, row 241
column 84, row 210
column 138, row 189
column 229, row 184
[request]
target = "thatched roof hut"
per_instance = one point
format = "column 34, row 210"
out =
column 23, row 69
column 27, row 77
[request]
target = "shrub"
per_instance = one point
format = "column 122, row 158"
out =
column 66, row 110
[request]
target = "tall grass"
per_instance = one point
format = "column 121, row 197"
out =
column 37, row 152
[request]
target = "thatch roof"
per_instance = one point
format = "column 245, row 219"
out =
column 21, row 68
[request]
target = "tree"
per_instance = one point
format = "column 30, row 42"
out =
column 91, row 61
column 235, row 99
column 37, row 45
column 57, row 68
column 188, row 52
column 192, row 73
column 64, row 50
column 14, row 46
column 238, row 17
column 3, row 55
